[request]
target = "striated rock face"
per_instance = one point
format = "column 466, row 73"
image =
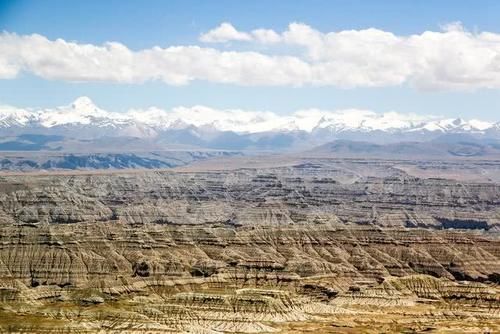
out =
column 314, row 246
column 302, row 193
column 296, row 194
column 97, row 254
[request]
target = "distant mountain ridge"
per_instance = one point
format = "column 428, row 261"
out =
column 34, row 161
column 203, row 127
column 446, row 147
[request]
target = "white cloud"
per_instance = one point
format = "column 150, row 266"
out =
column 114, row 62
column 224, row 33
column 453, row 26
column 266, row 36
column 453, row 58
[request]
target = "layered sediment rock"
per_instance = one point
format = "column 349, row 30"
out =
column 249, row 250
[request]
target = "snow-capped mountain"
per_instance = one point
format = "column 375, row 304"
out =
column 82, row 111
column 202, row 126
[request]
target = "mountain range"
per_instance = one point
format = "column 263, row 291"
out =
column 84, row 126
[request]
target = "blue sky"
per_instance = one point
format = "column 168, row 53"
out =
column 142, row 25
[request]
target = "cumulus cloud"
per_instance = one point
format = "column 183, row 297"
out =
column 266, row 36
column 114, row 62
column 224, row 33
column 452, row 58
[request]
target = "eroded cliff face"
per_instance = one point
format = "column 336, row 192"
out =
column 301, row 193
column 96, row 255
column 306, row 247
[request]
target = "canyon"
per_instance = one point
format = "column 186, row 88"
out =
column 241, row 244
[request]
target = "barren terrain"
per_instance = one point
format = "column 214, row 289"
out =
column 247, row 245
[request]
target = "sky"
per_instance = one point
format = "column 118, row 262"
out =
column 424, row 57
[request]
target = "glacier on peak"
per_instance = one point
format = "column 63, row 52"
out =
column 83, row 112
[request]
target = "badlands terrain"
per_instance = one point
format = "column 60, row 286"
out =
column 308, row 244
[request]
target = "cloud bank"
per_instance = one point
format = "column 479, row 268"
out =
column 450, row 59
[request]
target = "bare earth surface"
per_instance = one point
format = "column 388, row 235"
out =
column 254, row 245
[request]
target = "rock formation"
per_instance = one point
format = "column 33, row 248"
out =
column 323, row 246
